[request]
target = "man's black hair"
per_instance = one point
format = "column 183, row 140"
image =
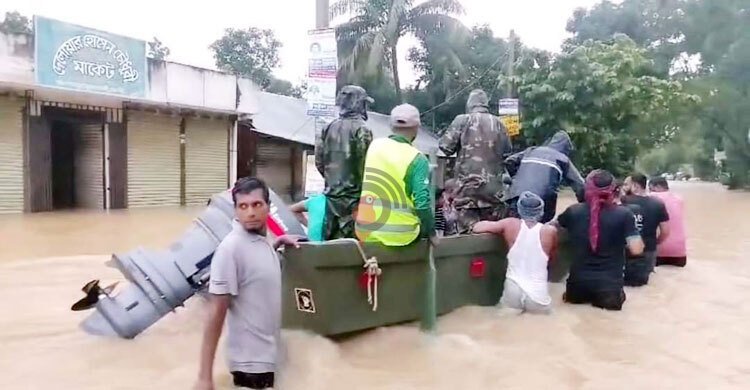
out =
column 640, row 179
column 603, row 178
column 659, row 181
column 247, row 185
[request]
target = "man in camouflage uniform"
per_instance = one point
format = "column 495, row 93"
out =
column 340, row 153
column 481, row 143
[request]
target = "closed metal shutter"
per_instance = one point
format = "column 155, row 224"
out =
column 153, row 160
column 274, row 166
column 206, row 159
column 89, row 170
column 11, row 155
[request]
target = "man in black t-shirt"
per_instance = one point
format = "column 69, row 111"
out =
column 620, row 192
column 654, row 229
column 599, row 231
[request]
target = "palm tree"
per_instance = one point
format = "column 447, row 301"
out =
column 375, row 27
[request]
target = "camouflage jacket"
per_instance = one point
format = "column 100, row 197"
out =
column 481, row 144
column 341, row 149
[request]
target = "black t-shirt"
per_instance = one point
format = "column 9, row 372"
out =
column 605, row 266
column 637, row 211
column 654, row 213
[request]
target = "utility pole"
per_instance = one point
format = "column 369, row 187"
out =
column 511, row 61
column 321, row 14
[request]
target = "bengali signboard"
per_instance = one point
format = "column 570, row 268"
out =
column 509, row 115
column 321, row 74
column 84, row 59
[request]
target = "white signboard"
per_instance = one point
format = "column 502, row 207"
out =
column 321, row 98
column 321, row 73
column 508, row 107
column 314, row 182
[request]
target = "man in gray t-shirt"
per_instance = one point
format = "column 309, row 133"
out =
column 245, row 287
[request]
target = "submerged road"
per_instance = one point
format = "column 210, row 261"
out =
column 688, row 329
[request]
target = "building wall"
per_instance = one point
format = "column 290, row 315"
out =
column 170, row 83
column 173, row 90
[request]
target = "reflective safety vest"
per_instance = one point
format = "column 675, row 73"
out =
column 386, row 212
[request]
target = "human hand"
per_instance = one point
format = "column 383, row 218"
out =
column 204, row 384
column 288, row 239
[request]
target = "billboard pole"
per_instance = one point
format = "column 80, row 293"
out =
column 321, row 14
column 322, row 21
column 511, row 62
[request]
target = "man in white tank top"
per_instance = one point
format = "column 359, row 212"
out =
column 531, row 244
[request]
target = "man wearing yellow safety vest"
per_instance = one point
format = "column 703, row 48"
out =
column 394, row 208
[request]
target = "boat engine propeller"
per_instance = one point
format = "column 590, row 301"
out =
column 161, row 281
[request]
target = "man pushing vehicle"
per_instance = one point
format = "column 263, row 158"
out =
column 541, row 170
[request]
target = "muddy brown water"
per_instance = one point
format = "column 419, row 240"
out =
column 688, row 329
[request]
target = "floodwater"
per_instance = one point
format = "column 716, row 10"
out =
column 688, row 329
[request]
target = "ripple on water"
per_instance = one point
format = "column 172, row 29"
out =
column 687, row 329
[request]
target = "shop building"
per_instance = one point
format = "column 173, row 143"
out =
column 87, row 121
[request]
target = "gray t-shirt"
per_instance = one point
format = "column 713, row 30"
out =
column 246, row 267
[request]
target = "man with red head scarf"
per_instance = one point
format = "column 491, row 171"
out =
column 599, row 231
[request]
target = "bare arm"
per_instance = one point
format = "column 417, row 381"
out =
column 664, row 231
column 635, row 245
column 496, row 227
column 550, row 242
column 217, row 310
column 633, row 239
column 299, row 209
column 664, row 228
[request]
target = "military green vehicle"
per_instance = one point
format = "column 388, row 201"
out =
column 328, row 289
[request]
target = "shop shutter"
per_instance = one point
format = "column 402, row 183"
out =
column 274, row 166
column 206, row 159
column 89, row 166
column 153, row 159
column 11, row 155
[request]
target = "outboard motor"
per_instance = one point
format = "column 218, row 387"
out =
column 160, row 281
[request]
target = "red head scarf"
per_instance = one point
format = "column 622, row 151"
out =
column 597, row 198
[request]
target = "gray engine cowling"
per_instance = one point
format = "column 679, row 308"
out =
column 161, row 281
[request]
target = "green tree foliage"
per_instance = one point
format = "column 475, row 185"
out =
column 602, row 93
column 252, row 53
column 15, row 23
column 447, row 63
column 286, row 88
column 449, row 66
column 368, row 41
column 652, row 24
column 713, row 34
column 157, row 49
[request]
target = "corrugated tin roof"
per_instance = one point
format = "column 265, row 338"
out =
column 286, row 117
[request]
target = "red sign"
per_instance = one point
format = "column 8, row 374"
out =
column 476, row 269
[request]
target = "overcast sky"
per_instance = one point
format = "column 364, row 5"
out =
column 189, row 28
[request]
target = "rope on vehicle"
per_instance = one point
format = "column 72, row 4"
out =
column 373, row 272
